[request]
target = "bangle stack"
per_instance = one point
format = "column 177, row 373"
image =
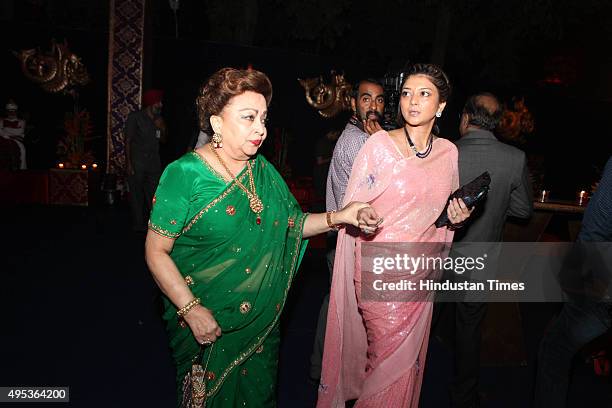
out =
column 185, row 309
column 330, row 224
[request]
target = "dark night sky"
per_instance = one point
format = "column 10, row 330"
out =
column 554, row 53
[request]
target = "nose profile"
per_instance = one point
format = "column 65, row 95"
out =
column 260, row 127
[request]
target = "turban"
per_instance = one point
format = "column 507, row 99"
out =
column 152, row 96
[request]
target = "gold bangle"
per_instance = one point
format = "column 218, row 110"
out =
column 330, row 224
column 185, row 309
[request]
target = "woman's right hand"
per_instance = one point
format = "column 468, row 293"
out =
column 369, row 221
column 360, row 215
column 203, row 325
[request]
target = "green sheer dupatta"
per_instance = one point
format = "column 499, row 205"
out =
column 241, row 270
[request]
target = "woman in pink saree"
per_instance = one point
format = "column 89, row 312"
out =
column 375, row 350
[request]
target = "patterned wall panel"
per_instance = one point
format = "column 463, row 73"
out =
column 125, row 58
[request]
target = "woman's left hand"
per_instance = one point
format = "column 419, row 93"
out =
column 457, row 211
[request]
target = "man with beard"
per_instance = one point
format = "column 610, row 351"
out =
column 144, row 130
column 368, row 105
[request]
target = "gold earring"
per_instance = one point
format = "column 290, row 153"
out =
column 217, row 140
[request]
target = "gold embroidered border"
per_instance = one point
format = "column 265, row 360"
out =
column 208, row 207
column 215, row 172
column 208, row 166
column 252, row 349
column 163, row 232
column 229, row 189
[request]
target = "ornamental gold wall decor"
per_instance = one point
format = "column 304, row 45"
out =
column 57, row 70
column 328, row 99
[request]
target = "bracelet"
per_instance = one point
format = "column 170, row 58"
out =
column 330, row 224
column 455, row 227
column 185, row 309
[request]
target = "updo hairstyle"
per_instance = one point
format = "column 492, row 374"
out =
column 222, row 86
column 437, row 77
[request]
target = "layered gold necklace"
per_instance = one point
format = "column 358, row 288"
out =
column 254, row 200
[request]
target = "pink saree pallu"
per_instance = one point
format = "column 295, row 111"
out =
column 376, row 342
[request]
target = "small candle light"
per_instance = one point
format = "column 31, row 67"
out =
column 84, row 166
column 94, row 166
column 544, row 196
column 61, row 165
column 582, row 197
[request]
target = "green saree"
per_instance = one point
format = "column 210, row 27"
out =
column 240, row 270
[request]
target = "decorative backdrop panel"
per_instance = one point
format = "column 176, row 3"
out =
column 125, row 57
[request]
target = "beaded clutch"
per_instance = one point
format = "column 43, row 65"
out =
column 194, row 385
column 471, row 193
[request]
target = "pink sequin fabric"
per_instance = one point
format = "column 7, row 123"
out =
column 375, row 350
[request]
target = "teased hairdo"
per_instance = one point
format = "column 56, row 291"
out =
column 479, row 115
column 225, row 84
column 437, row 77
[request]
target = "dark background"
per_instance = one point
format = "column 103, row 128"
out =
column 555, row 54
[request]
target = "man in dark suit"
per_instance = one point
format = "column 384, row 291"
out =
column 509, row 195
column 144, row 131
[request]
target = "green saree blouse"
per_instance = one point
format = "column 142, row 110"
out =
column 241, row 271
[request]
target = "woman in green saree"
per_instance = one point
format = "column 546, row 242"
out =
column 225, row 240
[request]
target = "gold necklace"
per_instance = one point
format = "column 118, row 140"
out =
column 254, row 200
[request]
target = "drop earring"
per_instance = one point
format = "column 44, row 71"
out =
column 217, row 140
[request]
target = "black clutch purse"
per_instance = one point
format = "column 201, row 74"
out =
column 471, row 193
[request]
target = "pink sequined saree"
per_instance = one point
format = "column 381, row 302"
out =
column 375, row 350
